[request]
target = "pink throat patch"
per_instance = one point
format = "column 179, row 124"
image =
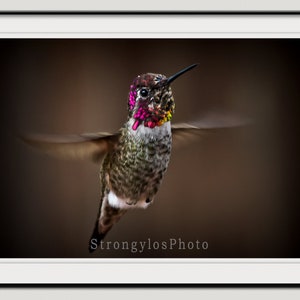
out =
column 135, row 124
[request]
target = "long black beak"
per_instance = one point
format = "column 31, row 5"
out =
column 173, row 77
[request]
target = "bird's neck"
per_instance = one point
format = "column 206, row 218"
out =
column 143, row 132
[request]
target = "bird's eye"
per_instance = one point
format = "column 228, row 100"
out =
column 144, row 92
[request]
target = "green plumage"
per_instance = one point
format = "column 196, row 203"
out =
column 136, row 167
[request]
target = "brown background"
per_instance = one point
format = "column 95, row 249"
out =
column 236, row 189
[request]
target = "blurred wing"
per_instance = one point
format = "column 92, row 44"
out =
column 90, row 146
column 183, row 133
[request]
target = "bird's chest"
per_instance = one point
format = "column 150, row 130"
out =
column 140, row 161
column 146, row 156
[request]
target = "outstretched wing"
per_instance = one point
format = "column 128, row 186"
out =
column 183, row 133
column 90, row 146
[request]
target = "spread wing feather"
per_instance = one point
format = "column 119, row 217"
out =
column 92, row 146
column 183, row 133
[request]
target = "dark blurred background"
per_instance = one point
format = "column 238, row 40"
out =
column 236, row 189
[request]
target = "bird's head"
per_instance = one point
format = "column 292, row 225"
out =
column 150, row 100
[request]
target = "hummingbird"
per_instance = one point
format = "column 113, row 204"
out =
column 134, row 159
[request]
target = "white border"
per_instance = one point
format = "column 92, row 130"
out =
column 154, row 5
column 149, row 270
column 149, row 26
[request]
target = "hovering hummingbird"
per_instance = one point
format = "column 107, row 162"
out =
column 135, row 159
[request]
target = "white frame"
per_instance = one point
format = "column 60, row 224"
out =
column 153, row 6
column 136, row 271
column 149, row 271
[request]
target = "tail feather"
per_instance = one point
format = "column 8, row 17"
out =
column 96, row 238
column 108, row 216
